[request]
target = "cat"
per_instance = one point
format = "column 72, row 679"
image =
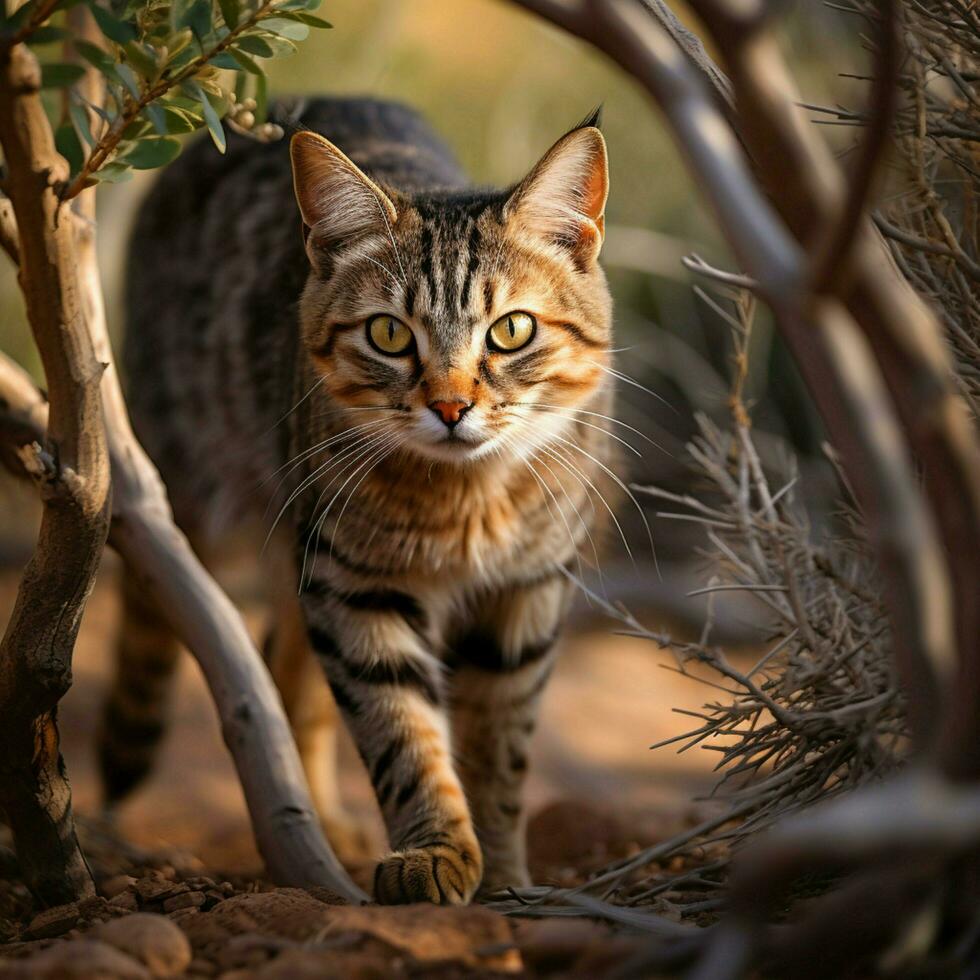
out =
column 414, row 373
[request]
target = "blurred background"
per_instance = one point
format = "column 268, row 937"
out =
column 500, row 86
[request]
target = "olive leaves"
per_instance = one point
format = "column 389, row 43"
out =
column 169, row 67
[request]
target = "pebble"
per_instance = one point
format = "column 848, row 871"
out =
column 117, row 885
column 154, row 889
column 53, row 922
column 125, row 901
column 152, row 939
column 185, row 900
column 82, row 959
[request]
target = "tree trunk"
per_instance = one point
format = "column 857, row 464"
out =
column 72, row 469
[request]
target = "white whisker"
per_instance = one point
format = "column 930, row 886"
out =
column 372, row 460
column 316, row 384
column 619, row 376
column 622, row 487
column 371, row 438
column 598, row 415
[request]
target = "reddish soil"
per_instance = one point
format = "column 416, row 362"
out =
column 180, row 852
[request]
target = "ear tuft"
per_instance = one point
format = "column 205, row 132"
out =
column 337, row 200
column 593, row 119
column 563, row 199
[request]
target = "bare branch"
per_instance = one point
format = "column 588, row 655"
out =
column 256, row 732
column 834, row 254
column 805, row 183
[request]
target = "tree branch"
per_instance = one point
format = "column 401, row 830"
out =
column 870, row 351
column 805, row 184
column 111, row 138
column 253, row 723
column 36, row 651
column 835, row 252
column 585, row 19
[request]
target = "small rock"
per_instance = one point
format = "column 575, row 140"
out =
column 117, row 885
column 185, row 900
column 53, row 922
column 152, row 939
column 181, row 916
column 82, row 959
column 125, row 901
column 156, row 889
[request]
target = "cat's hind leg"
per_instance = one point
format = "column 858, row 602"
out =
column 137, row 708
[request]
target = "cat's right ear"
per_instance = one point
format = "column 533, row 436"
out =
column 338, row 202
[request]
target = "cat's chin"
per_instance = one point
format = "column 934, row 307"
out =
column 456, row 451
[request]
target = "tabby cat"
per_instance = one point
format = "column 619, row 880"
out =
column 413, row 373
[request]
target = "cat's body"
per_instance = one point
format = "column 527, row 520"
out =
column 433, row 482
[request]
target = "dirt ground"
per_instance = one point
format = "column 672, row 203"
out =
column 180, row 850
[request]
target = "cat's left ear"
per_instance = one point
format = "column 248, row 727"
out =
column 563, row 199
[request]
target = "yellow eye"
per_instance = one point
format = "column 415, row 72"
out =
column 511, row 332
column 388, row 335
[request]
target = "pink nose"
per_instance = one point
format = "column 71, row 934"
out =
column 449, row 412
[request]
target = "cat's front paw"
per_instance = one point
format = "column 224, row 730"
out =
column 443, row 875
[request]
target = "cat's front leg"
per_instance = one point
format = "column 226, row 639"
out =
column 500, row 667
column 389, row 688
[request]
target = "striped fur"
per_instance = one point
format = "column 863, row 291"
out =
column 429, row 557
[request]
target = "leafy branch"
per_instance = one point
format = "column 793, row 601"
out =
column 170, row 67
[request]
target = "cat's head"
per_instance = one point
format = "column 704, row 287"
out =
column 473, row 321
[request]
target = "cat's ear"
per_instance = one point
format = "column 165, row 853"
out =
column 563, row 199
column 338, row 202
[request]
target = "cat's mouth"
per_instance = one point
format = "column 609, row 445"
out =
column 455, row 448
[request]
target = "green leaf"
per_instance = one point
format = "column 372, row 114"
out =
column 151, row 152
column 180, row 121
column 116, row 30
column 129, row 80
column 137, row 129
column 158, row 118
column 98, row 58
column 47, row 35
column 290, row 29
column 68, row 145
column 281, row 48
column 313, row 21
column 229, row 10
column 143, row 58
column 80, row 118
column 245, row 62
column 211, row 119
column 112, row 173
column 178, row 12
column 58, row 75
column 178, row 43
column 298, row 5
column 256, row 45
column 224, row 59
column 198, row 18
